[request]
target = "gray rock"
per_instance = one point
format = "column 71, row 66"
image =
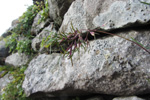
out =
column 44, row 64
column 4, row 52
column 122, row 14
column 57, row 9
column 105, row 14
column 128, row 98
column 8, row 31
column 111, row 65
column 38, row 27
column 15, row 22
column 17, row 59
column 38, row 39
column 4, row 81
column 13, row 26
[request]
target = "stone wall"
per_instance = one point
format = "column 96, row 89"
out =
column 111, row 67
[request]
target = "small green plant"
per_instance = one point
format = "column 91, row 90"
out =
column 11, row 42
column 73, row 41
column 44, row 13
column 26, row 20
column 24, row 46
column 50, row 41
column 139, row 43
column 21, row 46
column 144, row 2
column 14, row 91
column 5, row 70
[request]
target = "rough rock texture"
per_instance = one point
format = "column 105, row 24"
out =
column 4, row 81
column 38, row 39
column 15, row 22
column 17, row 59
column 128, row 98
column 111, row 65
column 38, row 27
column 57, row 9
column 4, row 52
column 108, row 15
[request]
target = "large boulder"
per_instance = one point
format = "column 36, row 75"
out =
column 42, row 35
column 17, row 59
column 105, row 14
column 110, row 65
column 4, row 52
column 57, row 9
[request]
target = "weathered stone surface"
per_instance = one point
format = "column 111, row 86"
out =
column 128, row 98
column 57, row 9
column 111, row 65
column 38, row 27
column 15, row 22
column 38, row 39
column 124, row 14
column 4, row 52
column 106, row 14
column 4, row 81
column 17, row 59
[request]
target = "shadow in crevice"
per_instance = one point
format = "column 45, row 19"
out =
column 75, row 97
column 137, row 27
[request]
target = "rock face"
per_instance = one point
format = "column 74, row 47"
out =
column 17, row 59
column 110, row 65
column 38, row 39
column 8, row 32
column 4, row 81
column 91, row 14
column 38, row 27
column 57, row 9
column 4, row 52
column 15, row 22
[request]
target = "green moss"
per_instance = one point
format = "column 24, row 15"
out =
column 14, row 91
